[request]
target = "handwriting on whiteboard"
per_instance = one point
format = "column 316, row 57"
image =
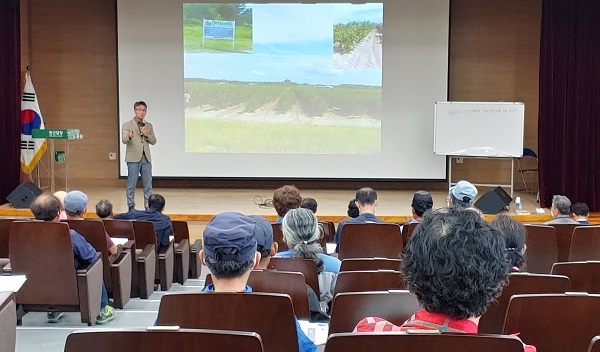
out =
column 479, row 111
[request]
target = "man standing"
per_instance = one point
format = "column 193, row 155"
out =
column 138, row 135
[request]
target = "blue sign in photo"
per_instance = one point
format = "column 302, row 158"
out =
column 218, row 32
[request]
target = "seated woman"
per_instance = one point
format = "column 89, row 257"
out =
column 301, row 233
column 454, row 263
column 514, row 234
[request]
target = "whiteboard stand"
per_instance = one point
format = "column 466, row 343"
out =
column 512, row 171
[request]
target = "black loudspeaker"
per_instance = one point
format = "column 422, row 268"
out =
column 494, row 201
column 23, row 195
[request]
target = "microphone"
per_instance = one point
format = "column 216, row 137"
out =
column 142, row 124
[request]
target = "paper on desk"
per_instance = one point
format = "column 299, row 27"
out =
column 316, row 332
column 119, row 240
column 330, row 247
column 11, row 282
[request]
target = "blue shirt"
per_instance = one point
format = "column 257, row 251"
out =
column 364, row 217
column 162, row 223
column 304, row 343
column 83, row 252
column 330, row 264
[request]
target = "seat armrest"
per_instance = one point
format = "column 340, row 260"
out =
column 120, row 258
column 182, row 246
column 146, row 253
column 128, row 245
column 85, row 268
column 196, row 246
column 165, row 251
column 5, row 263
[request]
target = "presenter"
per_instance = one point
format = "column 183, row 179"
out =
column 138, row 135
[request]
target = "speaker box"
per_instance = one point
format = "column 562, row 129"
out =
column 23, row 195
column 494, row 201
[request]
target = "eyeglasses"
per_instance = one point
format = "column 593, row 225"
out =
column 141, row 109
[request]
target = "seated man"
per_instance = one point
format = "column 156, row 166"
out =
column 366, row 202
column 230, row 254
column 462, row 195
column 285, row 198
column 454, row 292
column 561, row 206
column 76, row 207
column 104, row 209
column 46, row 207
column 309, row 203
column 580, row 212
column 421, row 203
column 162, row 223
column 263, row 231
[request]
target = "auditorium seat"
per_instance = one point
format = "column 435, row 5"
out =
column 143, row 257
column 269, row 314
column 167, row 340
column 285, row 282
column 327, row 233
column 307, row 267
column 145, row 234
column 585, row 243
column 364, row 240
column 554, row 322
column 407, row 231
column 116, row 268
column 542, row 249
column 423, row 342
column 8, row 322
column 278, row 237
column 492, row 320
column 564, row 233
column 594, row 345
column 182, row 233
column 374, row 280
column 360, row 264
column 44, row 253
column 351, row 307
column 4, row 233
column 584, row 276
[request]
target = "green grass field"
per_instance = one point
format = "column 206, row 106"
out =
column 192, row 40
column 342, row 101
column 214, row 136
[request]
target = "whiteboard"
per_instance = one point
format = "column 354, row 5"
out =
column 479, row 129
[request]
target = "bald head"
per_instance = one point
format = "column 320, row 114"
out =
column 45, row 207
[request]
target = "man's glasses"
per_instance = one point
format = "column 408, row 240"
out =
column 141, row 109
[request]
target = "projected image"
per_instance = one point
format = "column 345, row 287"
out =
column 217, row 27
column 308, row 80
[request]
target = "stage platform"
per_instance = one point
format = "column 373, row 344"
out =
column 194, row 204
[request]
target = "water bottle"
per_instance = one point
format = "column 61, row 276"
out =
column 518, row 205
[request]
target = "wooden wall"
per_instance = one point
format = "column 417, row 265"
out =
column 71, row 47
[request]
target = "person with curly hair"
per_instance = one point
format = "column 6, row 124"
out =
column 455, row 264
column 514, row 234
column 285, row 198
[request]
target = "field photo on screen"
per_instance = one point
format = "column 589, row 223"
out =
column 283, row 78
column 217, row 27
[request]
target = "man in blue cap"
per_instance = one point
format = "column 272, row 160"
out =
column 230, row 253
column 462, row 195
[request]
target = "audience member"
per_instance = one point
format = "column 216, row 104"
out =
column 285, row 198
column 353, row 209
column 301, row 233
column 46, row 207
column 514, row 234
column 104, row 209
column 454, row 263
column 421, row 202
column 366, row 202
column 263, row 231
column 162, row 223
column 580, row 212
column 309, row 203
column 60, row 195
column 230, row 253
column 561, row 206
column 462, row 195
column 76, row 207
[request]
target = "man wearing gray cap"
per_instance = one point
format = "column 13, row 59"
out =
column 76, row 206
column 230, row 253
column 462, row 195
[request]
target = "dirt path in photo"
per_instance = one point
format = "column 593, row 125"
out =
column 367, row 55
